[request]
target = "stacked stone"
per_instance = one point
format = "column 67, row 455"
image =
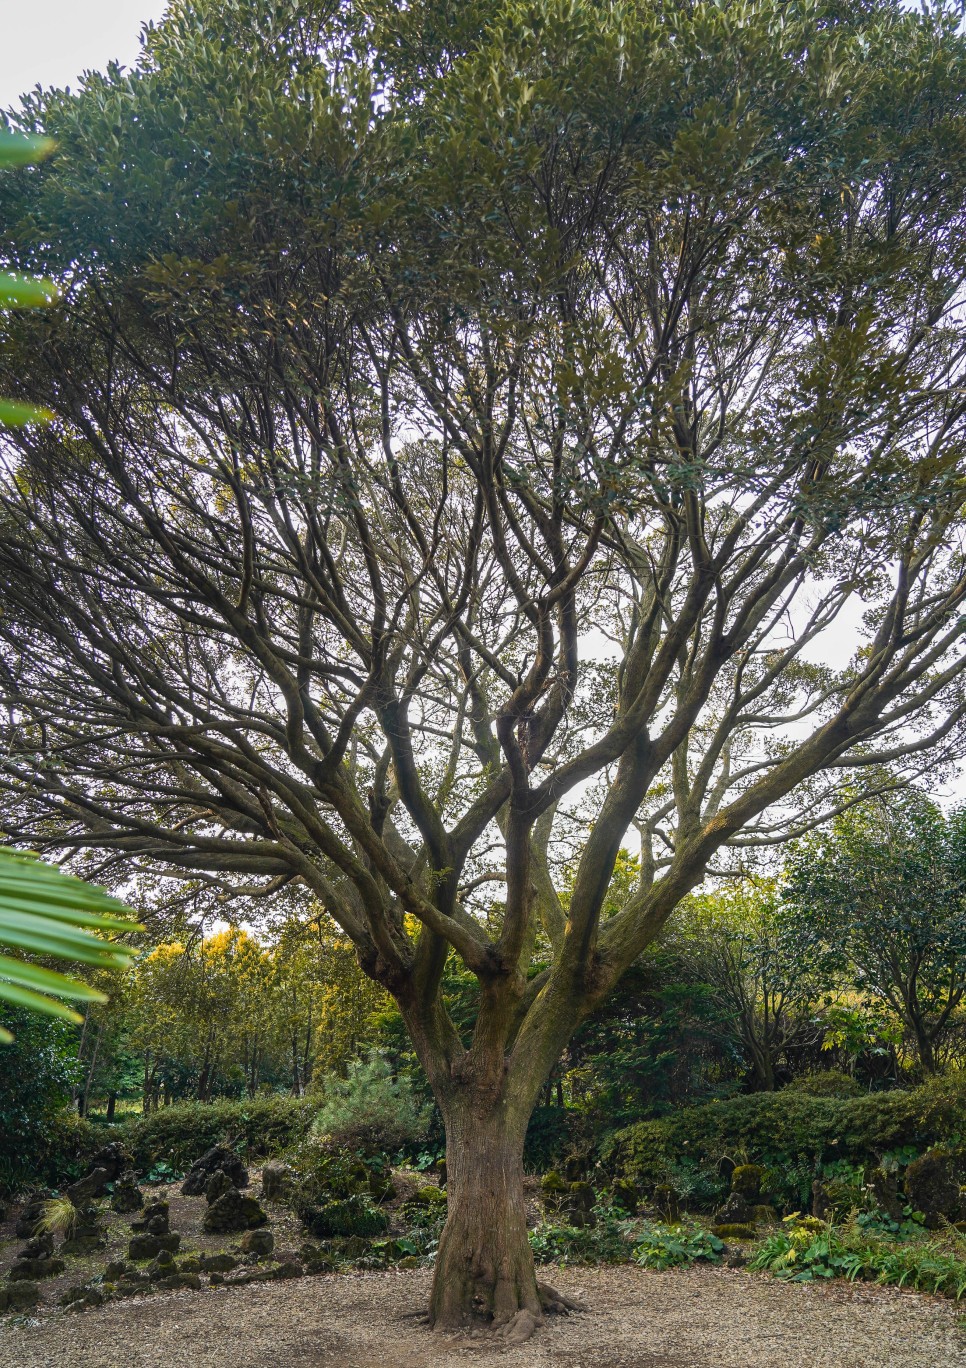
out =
column 152, row 1233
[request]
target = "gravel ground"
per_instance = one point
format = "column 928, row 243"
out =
column 698, row 1318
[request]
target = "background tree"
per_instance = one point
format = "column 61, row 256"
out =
column 740, row 943
column 402, row 348
column 881, row 899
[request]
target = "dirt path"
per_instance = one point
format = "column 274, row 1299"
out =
column 700, row 1318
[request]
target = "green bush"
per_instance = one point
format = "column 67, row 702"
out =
column 354, row 1216
column 42, row 1141
column 676, row 1246
column 259, row 1126
column 856, row 1250
column 606, row 1241
column 793, row 1135
column 826, row 1083
column 370, row 1109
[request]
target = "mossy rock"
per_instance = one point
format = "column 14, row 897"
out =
column 734, row 1231
column 931, row 1187
column 764, row 1213
column 746, row 1180
column 429, row 1196
column 625, row 1195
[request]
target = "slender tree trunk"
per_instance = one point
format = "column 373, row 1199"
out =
column 111, row 1104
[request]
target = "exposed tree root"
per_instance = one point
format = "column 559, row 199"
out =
column 518, row 1328
column 556, row 1302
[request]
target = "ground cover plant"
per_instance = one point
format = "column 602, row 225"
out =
column 403, row 353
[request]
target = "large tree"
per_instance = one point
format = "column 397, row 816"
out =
column 484, row 429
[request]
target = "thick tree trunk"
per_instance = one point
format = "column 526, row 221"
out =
column 484, row 1267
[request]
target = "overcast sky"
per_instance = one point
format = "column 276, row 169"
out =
column 50, row 42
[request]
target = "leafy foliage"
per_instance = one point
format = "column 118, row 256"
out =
column 936, row 1264
column 794, row 1135
column 370, row 1109
column 676, row 1246
column 46, row 912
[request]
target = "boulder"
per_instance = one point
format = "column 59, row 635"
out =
column 154, row 1219
column 162, row 1266
column 93, row 1184
column 114, row 1158
column 218, row 1184
column 278, row 1181
column 127, row 1196
column 26, row 1270
column 258, row 1242
column 932, row 1189
column 291, row 1268
column 217, row 1263
column 736, row 1209
column 884, row 1186
column 29, row 1218
column 142, row 1247
column 19, row 1296
column 40, row 1247
column 746, row 1179
column 79, row 1298
column 822, row 1208
column 87, row 1233
column 667, row 1203
column 231, row 1211
column 115, row 1270
column 179, row 1281
column 218, row 1157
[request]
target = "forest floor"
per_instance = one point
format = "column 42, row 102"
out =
column 693, row 1318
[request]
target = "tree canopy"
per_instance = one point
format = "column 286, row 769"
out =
column 477, row 429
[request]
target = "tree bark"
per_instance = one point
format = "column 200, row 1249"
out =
column 484, row 1268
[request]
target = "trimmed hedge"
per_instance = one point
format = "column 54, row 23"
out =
column 259, row 1126
column 791, row 1134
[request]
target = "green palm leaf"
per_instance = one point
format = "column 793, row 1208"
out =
column 48, row 912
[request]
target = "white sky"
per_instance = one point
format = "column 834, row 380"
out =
column 51, row 42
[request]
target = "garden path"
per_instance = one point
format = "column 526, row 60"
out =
column 694, row 1318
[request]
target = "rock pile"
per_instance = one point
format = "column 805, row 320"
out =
column 127, row 1196
column 228, row 1209
column 219, row 1157
column 36, row 1260
column 86, row 1234
column 152, row 1233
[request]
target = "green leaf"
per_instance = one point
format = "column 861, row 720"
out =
column 36, row 1002
column 17, row 292
column 14, row 414
column 22, row 149
column 47, row 980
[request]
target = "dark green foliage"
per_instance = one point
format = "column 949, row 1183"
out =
column 179, row 1135
column 660, row 1040
column 38, row 1137
column 604, row 1241
column 826, row 1083
column 353, row 1216
column 675, row 1246
column 880, row 899
column 794, row 1136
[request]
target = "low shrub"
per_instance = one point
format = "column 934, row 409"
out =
column 856, row 1250
column 606, row 1241
column 370, row 1109
column 794, row 1135
column 176, row 1136
column 676, row 1246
